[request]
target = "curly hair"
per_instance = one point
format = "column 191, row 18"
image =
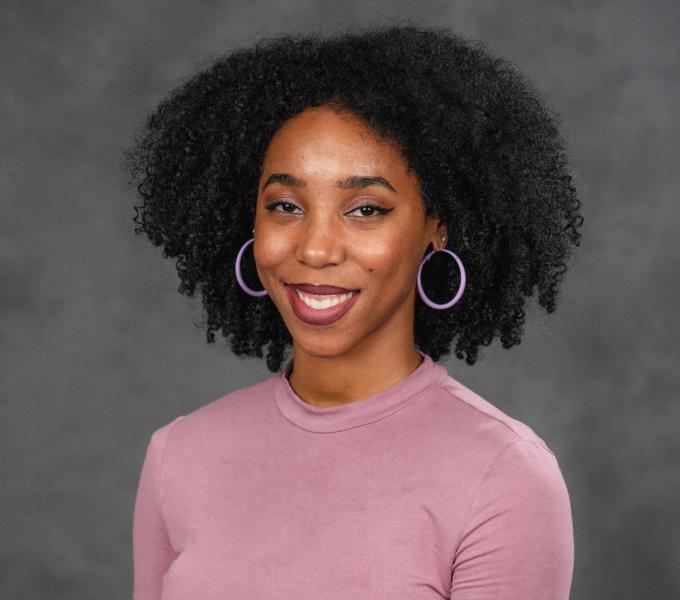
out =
column 482, row 141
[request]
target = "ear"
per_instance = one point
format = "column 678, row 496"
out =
column 437, row 230
column 441, row 236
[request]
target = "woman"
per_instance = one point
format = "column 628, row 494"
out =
column 311, row 188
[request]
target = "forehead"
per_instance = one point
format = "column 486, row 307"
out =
column 319, row 141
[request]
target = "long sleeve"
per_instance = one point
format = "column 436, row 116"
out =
column 151, row 547
column 518, row 540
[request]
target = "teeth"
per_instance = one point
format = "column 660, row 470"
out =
column 318, row 302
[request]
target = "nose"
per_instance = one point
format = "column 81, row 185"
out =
column 320, row 240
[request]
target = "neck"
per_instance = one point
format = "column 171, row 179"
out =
column 332, row 380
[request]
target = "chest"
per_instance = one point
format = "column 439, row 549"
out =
column 281, row 527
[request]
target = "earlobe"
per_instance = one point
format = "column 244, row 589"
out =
column 442, row 236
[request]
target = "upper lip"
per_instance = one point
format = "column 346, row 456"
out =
column 310, row 288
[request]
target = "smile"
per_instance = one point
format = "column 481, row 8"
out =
column 323, row 301
column 323, row 309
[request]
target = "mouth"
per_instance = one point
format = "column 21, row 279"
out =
column 320, row 290
column 320, row 308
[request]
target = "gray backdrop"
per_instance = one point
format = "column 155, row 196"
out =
column 98, row 349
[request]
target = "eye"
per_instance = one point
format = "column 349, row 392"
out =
column 378, row 210
column 270, row 207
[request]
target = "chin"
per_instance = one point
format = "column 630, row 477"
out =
column 322, row 346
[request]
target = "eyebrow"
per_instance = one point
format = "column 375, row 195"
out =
column 351, row 182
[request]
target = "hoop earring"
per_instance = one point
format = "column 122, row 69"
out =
column 461, row 287
column 239, row 278
column 424, row 297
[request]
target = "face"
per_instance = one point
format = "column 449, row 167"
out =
column 337, row 206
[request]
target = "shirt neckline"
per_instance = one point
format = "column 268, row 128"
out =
column 359, row 412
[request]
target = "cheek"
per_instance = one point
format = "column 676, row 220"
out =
column 386, row 263
column 272, row 253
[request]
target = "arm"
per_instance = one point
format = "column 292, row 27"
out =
column 151, row 547
column 518, row 541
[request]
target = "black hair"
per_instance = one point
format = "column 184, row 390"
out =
column 485, row 145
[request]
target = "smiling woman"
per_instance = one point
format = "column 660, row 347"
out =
column 486, row 150
column 360, row 468
column 355, row 221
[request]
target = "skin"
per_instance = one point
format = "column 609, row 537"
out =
column 320, row 237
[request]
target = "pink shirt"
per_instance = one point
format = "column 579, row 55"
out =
column 422, row 491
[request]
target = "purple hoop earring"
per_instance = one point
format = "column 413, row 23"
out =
column 242, row 283
column 424, row 297
column 461, row 287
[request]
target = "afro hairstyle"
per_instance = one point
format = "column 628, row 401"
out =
column 483, row 142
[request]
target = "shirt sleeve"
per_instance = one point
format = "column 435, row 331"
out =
column 518, row 539
column 151, row 548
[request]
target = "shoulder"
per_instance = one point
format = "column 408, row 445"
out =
column 515, row 478
column 479, row 421
column 478, row 441
column 217, row 418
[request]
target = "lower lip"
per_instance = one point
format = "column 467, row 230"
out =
column 320, row 316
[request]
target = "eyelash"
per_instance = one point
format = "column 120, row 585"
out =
column 379, row 209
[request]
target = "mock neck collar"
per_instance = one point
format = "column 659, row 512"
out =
column 358, row 412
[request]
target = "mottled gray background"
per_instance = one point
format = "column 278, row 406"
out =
column 98, row 349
